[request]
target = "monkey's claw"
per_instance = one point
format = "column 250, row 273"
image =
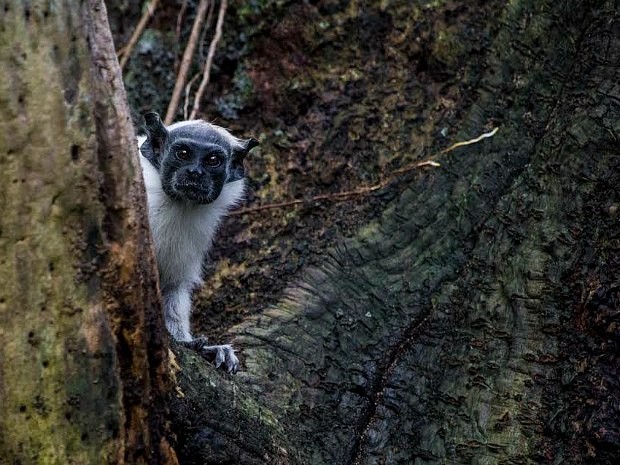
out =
column 223, row 354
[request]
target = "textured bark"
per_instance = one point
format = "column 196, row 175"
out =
column 476, row 322
column 82, row 361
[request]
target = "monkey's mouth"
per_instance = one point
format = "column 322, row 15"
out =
column 194, row 192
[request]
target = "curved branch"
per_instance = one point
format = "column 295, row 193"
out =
column 125, row 52
column 186, row 61
column 209, row 62
column 342, row 196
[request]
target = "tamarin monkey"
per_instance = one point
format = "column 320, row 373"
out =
column 193, row 173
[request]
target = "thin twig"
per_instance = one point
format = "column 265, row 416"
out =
column 180, row 19
column 210, row 55
column 188, row 86
column 205, row 29
column 338, row 196
column 188, row 54
column 470, row 141
column 188, row 90
column 125, row 52
column 342, row 196
column 178, row 31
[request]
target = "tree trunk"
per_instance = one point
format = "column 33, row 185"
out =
column 83, row 360
column 477, row 321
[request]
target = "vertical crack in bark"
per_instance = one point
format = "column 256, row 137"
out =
column 378, row 388
column 407, row 340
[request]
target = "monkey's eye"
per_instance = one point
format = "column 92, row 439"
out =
column 183, row 154
column 212, row 161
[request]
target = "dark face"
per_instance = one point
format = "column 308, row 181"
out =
column 194, row 159
column 195, row 165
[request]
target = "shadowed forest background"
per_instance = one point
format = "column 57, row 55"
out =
column 464, row 311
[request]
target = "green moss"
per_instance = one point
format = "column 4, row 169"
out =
column 448, row 46
column 205, row 390
column 148, row 77
column 242, row 96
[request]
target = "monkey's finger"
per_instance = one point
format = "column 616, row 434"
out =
column 220, row 356
column 232, row 362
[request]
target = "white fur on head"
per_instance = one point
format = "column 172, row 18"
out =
column 232, row 140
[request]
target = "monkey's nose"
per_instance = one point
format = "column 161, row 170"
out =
column 194, row 172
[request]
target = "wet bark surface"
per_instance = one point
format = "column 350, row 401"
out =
column 466, row 314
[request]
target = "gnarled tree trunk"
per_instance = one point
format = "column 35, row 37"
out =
column 82, row 358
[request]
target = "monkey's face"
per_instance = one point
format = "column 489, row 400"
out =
column 195, row 159
column 194, row 169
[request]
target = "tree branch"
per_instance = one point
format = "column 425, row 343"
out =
column 342, row 196
column 210, row 55
column 125, row 52
column 186, row 61
column 180, row 19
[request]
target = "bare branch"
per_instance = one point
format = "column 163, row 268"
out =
column 188, row 89
column 186, row 61
column 338, row 196
column 346, row 195
column 210, row 55
column 180, row 19
column 125, row 52
column 470, row 141
column 208, row 22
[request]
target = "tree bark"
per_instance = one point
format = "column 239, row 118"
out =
column 83, row 360
column 476, row 322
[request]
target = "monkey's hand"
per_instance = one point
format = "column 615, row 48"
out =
column 222, row 354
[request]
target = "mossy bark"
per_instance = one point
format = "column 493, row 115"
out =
column 82, row 357
column 461, row 327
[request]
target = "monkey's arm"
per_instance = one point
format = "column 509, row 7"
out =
column 177, row 308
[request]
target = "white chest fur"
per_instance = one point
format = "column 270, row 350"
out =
column 183, row 231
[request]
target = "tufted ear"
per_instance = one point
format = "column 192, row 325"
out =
column 237, row 170
column 249, row 144
column 156, row 136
